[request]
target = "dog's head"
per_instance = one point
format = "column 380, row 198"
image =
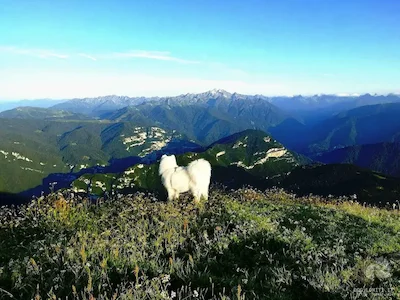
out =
column 167, row 162
column 165, row 156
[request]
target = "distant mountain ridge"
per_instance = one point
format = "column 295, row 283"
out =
column 290, row 103
column 96, row 136
column 29, row 112
column 368, row 124
column 204, row 121
column 363, row 125
column 299, row 105
column 209, row 116
column 380, row 157
column 44, row 103
column 99, row 105
column 312, row 109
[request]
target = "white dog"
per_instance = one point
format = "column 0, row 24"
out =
column 194, row 178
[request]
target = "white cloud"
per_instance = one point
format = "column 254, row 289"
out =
column 156, row 55
column 44, row 53
column 40, row 53
column 87, row 56
column 328, row 75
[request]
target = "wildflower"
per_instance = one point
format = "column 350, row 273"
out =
column 166, row 278
column 195, row 294
column 173, row 294
column 164, row 294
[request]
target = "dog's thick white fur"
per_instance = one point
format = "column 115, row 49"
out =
column 194, row 178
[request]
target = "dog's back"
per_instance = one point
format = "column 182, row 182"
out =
column 179, row 179
column 200, row 172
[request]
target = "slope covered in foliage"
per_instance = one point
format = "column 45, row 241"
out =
column 380, row 157
column 247, row 157
column 344, row 179
column 253, row 158
column 241, row 244
column 363, row 125
column 32, row 149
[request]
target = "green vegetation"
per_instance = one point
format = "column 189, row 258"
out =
column 32, row 149
column 244, row 157
column 344, row 179
column 380, row 157
column 234, row 164
column 363, row 125
column 241, row 244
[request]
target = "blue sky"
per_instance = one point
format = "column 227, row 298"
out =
column 62, row 49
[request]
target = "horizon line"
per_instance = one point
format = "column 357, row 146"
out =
column 208, row 91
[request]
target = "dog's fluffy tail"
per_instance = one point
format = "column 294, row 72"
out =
column 200, row 171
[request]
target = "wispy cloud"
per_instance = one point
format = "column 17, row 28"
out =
column 40, row 53
column 328, row 75
column 156, row 55
column 225, row 69
column 131, row 54
column 91, row 57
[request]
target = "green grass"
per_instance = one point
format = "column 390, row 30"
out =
column 241, row 244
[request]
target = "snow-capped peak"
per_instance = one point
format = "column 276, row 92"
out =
column 220, row 92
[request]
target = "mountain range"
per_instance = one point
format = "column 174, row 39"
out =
column 109, row 135
column 204, row 117
column 326, row 105
column 312, row 109
column 380, row 157
column 363, row 125
column 44, row 103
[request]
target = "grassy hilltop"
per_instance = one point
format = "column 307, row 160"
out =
column 241, row 244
